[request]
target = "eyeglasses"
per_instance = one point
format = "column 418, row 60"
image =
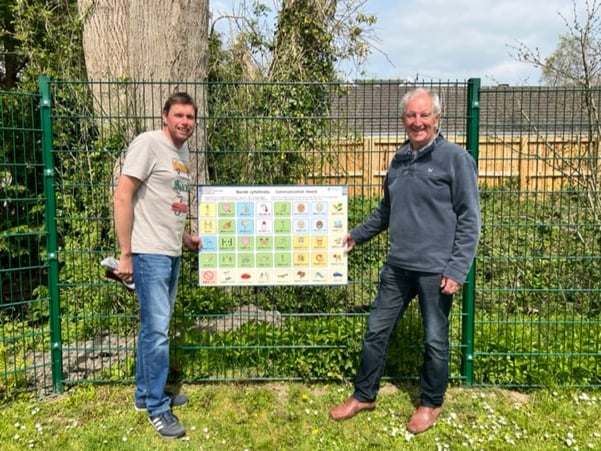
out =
column 412, row 115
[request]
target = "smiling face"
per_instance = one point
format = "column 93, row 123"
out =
column 420, row 120
column 179, row 122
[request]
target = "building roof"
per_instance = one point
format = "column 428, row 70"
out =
column 372, row 109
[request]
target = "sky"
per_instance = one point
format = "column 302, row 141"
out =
column 450, row 40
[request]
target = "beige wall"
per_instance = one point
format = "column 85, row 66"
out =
column 530, row 163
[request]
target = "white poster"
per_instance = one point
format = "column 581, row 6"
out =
column 272, row 235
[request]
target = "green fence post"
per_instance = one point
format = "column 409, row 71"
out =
column 469, row 288
column 56, row 350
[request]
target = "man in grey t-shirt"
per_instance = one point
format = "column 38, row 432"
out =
column 150, row 206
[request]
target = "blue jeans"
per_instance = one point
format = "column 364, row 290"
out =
column 397, row 288
column 156, row 279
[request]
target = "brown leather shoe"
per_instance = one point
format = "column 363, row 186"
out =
column 423, row 419
column 350, row 408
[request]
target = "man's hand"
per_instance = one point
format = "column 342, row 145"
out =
column 449, row 286
column 192, row 242
column 125, row 271
column 350, row 243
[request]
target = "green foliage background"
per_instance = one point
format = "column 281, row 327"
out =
column 538, row 271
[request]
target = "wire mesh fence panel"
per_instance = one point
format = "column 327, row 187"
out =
column 537, row 302
column 247, row 134
column 25, row 337
column 538, row 286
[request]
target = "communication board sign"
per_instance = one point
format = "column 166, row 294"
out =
column 272, row 235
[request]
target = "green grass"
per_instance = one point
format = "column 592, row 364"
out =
column 293, row 416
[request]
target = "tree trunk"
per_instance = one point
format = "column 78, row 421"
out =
column 158, row 45
column 174, row 48
column 105, row 38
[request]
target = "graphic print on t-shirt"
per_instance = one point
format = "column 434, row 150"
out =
column 181, row 186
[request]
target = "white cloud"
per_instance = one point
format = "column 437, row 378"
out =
column 444, row 39
column 459, row 39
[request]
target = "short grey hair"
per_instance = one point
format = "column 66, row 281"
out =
column 436, row 104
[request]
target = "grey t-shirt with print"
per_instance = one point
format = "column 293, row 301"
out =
column 161, row 202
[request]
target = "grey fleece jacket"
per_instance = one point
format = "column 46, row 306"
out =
column 431, row 208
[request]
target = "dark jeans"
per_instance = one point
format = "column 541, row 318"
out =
column 397, row 288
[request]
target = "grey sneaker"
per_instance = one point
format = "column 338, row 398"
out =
column 167, row 425
column 175, row 400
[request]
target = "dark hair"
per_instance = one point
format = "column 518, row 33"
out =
column 181, row 98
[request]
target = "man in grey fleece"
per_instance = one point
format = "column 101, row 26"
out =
column 431, row 210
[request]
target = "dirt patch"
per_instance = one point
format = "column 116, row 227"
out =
column 388, row 389
column 518, row 398
column 109, row 356
column 239, row 317
column 92, row 359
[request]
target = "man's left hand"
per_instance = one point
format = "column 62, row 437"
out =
column 449, row 286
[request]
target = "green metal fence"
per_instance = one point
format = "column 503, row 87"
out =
column 26, row 335
column 530, row 310
column 538, row 281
